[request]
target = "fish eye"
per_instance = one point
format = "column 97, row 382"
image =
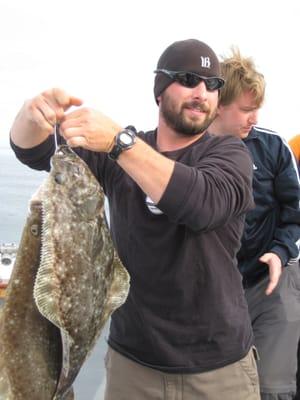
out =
column 58, row 178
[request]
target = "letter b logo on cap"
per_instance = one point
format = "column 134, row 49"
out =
column 205, row 62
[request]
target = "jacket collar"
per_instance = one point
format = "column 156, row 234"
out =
column 253, row 134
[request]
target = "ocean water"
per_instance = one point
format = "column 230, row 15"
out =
column 17, row 184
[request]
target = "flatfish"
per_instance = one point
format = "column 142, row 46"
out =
column 30, row 345
column 79, row 281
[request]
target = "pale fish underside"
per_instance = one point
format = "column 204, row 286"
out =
column 79, row 282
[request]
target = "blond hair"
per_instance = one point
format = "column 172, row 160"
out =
column 241, row 76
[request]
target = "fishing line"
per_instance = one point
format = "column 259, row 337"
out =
column 55, row 136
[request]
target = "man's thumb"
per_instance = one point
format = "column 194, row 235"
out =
column 264, row 258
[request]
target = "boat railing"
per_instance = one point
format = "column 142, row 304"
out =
column 8, row 252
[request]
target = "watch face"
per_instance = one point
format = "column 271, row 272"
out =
column 123, row 141
column 125, row 138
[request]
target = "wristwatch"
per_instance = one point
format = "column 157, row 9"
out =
column 124, row 140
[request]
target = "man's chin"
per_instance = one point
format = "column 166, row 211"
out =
column 244, row 133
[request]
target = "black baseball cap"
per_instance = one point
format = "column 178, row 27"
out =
column 189, row 55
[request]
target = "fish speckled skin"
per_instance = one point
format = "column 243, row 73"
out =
column 79, row 282
column 30, row 346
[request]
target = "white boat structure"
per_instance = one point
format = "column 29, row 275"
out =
column 8, row 252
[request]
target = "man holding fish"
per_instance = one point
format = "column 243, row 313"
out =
column 178, row 198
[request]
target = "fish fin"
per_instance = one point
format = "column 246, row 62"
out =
column 46, row 286
column 120, row 285
column 69, row 395
column 119, row 289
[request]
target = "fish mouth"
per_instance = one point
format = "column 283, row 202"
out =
column 63, row 150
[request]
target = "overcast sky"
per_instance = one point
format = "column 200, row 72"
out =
column 105, row 52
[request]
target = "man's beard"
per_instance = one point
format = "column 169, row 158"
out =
column 177, row 121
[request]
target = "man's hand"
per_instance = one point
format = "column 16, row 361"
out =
column 38, row 116
column 89, row 129
column 275, row 270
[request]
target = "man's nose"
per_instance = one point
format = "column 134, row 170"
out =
column 200, row 91
column 253, row 117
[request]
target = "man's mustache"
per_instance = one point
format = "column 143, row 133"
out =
column 197, row 106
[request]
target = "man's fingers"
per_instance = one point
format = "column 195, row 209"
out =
column 65, row 100
column 264, row 259
column 77, row 141
column 49, row 114
column 47, row 109
column 275, row 269
column 75, row 101
column 41, row 114
column 69, row 133
column 274, row 273
column 71, row 120
column 79, row 115
column 58, row 102
column 271, row 286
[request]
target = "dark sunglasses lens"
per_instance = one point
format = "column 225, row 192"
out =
column 213, row 83
column 187, row 79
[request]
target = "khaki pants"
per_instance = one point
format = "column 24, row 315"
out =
column 128, row 380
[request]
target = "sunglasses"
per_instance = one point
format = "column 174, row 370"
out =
column 191, row 79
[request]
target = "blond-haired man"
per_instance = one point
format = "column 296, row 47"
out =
column 269, row 248
column 294, row 144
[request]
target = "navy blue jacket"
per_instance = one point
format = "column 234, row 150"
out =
column 274, row 224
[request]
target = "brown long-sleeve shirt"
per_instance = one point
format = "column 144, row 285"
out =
column 186, row 310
